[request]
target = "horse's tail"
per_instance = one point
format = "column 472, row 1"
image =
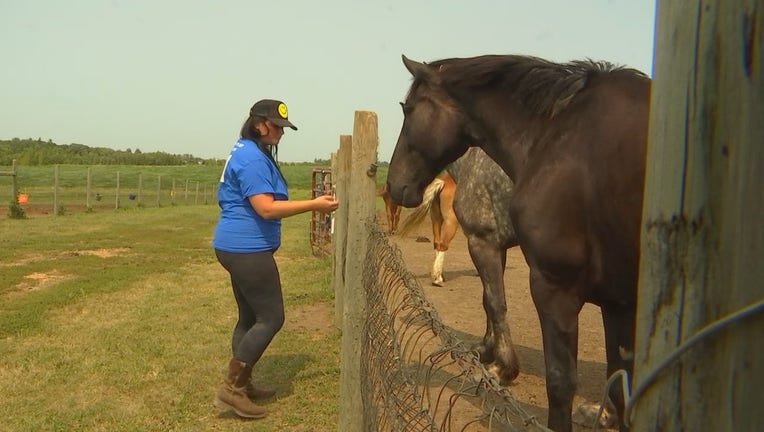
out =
column 414, row 218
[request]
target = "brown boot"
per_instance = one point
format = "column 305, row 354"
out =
column 256, row 393
column 233, row 393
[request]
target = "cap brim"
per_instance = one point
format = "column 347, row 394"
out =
column 283, row 123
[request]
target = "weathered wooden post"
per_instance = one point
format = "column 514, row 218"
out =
column 140, row 188
column 703, row 235
column 360, row 201
column 15, row 181
column 88, row 191
column 116, row 201
column 340, row 176
column 55, row 190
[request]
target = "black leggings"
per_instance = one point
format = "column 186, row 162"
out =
column 257, row 289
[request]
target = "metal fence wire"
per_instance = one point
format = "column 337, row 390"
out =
column 416, row 374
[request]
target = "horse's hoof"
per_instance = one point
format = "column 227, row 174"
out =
column 485, row 354
column 586, row 415
column 505, row 375
column 438, row 283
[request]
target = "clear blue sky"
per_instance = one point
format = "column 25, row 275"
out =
column 180, row 76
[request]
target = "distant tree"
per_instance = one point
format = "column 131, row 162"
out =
column 36, row 152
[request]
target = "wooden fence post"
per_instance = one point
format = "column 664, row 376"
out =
column 88, row 190
column 116, row 201
column 15, row 181
column 13, row 173
column 140, row 188
column 702, row 230
column 340, row 174
column 55, row 190
column 361, row 209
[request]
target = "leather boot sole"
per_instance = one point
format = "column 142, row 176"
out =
column 226, row 406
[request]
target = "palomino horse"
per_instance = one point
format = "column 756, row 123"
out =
column 572, row 137
column 392, row 210
column 438, row 202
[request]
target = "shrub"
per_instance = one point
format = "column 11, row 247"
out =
column 15, row 211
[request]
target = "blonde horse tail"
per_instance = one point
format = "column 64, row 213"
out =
column 418, row 214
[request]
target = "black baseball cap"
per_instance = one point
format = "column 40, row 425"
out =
column 274, row 110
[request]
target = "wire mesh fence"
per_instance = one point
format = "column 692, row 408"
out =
column 73, row 188
column 417, row 375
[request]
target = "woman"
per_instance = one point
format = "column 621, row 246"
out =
column 253, row 199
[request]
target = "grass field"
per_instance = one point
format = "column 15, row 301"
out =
column 121, row 321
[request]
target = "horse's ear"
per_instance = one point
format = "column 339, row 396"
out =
column 420, row 71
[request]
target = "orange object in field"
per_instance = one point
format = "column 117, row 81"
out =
column 23, row 198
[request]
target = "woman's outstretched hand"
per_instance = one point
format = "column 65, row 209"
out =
column 325, row 203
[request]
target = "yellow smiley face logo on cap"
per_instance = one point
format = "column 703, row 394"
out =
column 283, row 110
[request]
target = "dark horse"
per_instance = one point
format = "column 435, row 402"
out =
column 572, row 137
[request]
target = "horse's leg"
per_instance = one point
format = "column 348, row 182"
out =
column 391, row 225
column 619, row 322
column 447, row 224
column 389, row 213
column 437, row 235
column 496, row 349
column 396, row 216
column 558, row 307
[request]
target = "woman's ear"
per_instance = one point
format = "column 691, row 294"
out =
column 260, row 128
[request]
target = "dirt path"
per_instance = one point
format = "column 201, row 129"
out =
column 459, row 304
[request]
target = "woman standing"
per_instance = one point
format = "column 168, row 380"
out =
column 253, row 198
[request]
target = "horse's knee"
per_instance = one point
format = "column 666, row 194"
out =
column 560, row 386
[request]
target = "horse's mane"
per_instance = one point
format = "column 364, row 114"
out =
column 544, row 87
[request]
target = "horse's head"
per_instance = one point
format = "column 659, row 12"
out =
column 435, row 132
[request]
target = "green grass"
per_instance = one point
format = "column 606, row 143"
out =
column 121, row 321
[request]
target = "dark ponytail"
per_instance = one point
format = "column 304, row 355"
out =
column 250, row 132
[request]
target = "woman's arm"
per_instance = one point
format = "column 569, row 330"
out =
column 269, row 208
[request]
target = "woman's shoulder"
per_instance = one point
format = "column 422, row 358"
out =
column 247, row 153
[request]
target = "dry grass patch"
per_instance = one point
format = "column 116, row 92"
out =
column 103, row 253
column 38, row 281
column 315, row 319
column 34, row 258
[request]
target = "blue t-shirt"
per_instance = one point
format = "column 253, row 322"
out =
column 248, row 171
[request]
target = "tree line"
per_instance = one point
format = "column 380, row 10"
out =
column 36, row 152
